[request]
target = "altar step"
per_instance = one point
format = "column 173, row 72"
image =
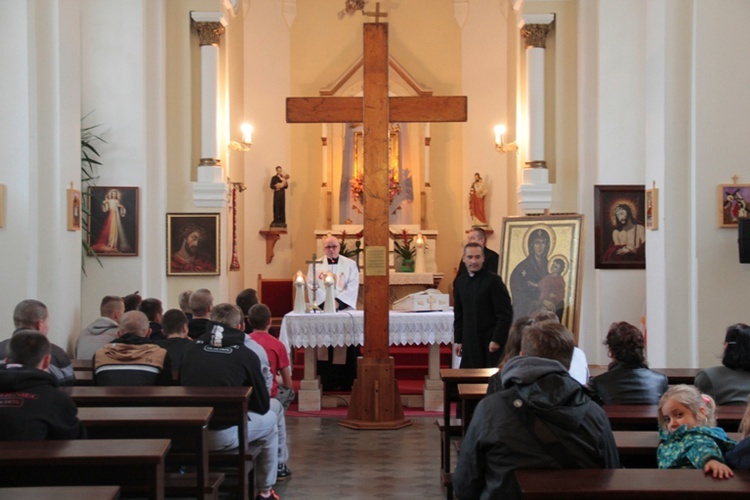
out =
column 410, row 366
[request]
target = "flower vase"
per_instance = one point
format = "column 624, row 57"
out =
column 407, row 266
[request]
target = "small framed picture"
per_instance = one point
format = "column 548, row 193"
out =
column 74, row 210
column 619, row 229
column 652, row 209
column 733, row 200
column 193, row 244
column 113, row 221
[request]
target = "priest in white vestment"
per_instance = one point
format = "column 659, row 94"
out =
column 337, row 366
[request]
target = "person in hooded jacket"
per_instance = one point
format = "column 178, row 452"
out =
column 102, row 330
column 132, row 359
column 32, row 408
column 542, row 419
column 220, row 357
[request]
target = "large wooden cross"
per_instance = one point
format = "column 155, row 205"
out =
column 375, row 402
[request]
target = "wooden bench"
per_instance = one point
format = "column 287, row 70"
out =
column 638, row 448
column 644, row 417
column 136, row 465
column 185, row 426
column 626, row 484
column 674, row 375
column 451, row 378
column 61, row 493
column 82, row 365
column 470, row 395
column 230, row 406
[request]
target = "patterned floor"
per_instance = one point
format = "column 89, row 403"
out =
column 330, row 461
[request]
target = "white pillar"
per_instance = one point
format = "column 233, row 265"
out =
column 535, row 192
column 210, row 190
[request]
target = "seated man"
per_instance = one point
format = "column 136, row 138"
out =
column 246, row 299
column 259, row 318
column 174, row 322
column 184, row 301
column 102, row 330
column 33, row 315
column 201, row 302
column 131, row 359
column 541, row 420
column 153, row 310
column 220, row 358
column 32, row 408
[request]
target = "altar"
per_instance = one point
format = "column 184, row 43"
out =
column 347, row 328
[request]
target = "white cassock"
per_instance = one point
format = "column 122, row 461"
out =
column 346, row 290
column 346, row 273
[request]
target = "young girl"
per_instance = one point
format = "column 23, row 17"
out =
column 689, row 436
column 739, row 457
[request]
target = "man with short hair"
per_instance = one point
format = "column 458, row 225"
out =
column 31, row 314
column 542, row 419
column 102, row 330
column 482, row 312
column 32, row 408
column 184, row 301
column 259, row 318
column 201, row 302
column 132, row 301
column 491, row 258
column 220, row 358
column 131, row 359
column 153, row 310
column 246, row 299
column 174, row 322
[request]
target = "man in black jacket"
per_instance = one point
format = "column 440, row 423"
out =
column 542, row 419
column 32, row 408
column 132, row 359
column 482, row 312
column 491, row 257
column 220, row 358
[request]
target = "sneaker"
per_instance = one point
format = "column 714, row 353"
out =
column 272, row 496
column 283, row 472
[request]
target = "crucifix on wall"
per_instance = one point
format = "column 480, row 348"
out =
column 375, row 402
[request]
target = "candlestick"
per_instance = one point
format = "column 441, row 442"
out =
column 299, row 297
column 419, row 257
column 329, row 306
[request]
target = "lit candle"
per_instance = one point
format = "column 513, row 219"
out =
column 247, row 133
column 419, row 263
column 499, row 131
column 330, row 304
column 299, row 298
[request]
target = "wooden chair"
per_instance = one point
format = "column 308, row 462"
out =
column 278, row 295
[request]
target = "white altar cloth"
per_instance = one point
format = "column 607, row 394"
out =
column 347, row 328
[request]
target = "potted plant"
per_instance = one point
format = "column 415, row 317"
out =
column 406, row 251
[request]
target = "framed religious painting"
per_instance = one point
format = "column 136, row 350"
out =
column 193, row 244
column 113, row 221
column 619, row 227
column 74, row 209
column 733, row 203
column 540, row 262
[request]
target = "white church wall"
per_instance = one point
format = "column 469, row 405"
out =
column 123, row 89
column 42, row 257
column 722, row 119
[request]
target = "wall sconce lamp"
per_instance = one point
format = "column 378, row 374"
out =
column 247, row 139
column 500, row 146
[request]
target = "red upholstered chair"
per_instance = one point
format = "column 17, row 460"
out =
column 278, row 295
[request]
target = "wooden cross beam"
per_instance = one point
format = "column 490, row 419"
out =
column 376, row 111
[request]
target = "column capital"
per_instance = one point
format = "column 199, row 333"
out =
column 534, row 28
column 209, row 26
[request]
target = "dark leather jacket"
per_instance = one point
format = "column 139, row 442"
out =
column 620, row 385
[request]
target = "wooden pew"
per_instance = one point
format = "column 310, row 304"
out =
column 638, row 448
column 186, row 427
column 230, row 406
column 643, row 417
column 626, row 484
column 82, row 365
column 136, row 465
column 470, row 395
column 674, row 375
column 61, row 493
column 451, row 378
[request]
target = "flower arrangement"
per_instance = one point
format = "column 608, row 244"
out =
column 351, row 6
column 404, row 247
column 358, row 186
